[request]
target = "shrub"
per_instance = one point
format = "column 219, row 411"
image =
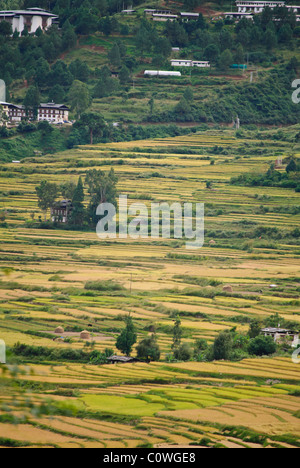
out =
column 183, row 352
column 262, row 345
column 103, row 286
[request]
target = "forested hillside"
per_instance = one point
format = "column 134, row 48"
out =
column 94, row 61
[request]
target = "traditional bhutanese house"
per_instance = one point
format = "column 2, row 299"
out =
column 53, row 113
column 61, row 211
column 121, row 359
column 281, row 335
column 13, row 112
column 31, row 18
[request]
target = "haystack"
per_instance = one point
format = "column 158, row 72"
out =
column 228, row 288
column 84, row 335
column 212, row 242
column 59, row 330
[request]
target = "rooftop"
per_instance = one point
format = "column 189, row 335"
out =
column 28, row 11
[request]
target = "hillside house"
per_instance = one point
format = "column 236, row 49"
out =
column 248, row 8
column 253, row 6
column 189, row 63
column 121, row 359
column 32, row 18
column 281, row 335
column 164, row 17
column 53, row 113
column 60, row 212
column 189, row 16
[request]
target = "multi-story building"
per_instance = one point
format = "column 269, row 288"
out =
column 51, row 112
column 32, row 18
column 248, row 8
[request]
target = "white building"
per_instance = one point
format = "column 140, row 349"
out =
column 189, row 63
column 189, row 16
column 281, row 334
column 246, row 9
column 252, row 6
column 237, row 15
column 33, row 18
column 161, row 73
column 51, row 112
column 164, row 17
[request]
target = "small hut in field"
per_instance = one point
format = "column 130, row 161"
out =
column 85, row 335
column 59, row 330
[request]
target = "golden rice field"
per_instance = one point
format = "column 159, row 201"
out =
column 251, row 403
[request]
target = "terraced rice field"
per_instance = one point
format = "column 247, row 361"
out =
column 249, row 403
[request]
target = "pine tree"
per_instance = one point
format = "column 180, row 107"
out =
column 78, row 212
column 177, row 333
column 127, row 338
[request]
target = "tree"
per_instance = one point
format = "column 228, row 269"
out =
column 124, row 75
column 114, row 56
column 262, row 345
column 254, row 329
column 151, row 104
column 285, row 33
column 94, row 122
column 239, row 56
column 188, row 94
column 102, row 188
column 79, row 97
column 183, row 106
column 177, row 333
column 292, row 166
column 211, row 52
column 5, row 29
column 183, row 353
column 105, row 26
column 68, row 189
column 32, row 101
column 148, row 349
column 69, row 37
column 200, row 347
column 222, row 346
column 57, row 94
column 225, row 59
column 79, row 70
column 127, row 337
column 47, row 193
column 78, row 211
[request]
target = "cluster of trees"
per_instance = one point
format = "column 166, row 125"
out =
column 228, row 344
column 268, row 102
column 273, row 178
column 101, row 187
column 28, row 57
